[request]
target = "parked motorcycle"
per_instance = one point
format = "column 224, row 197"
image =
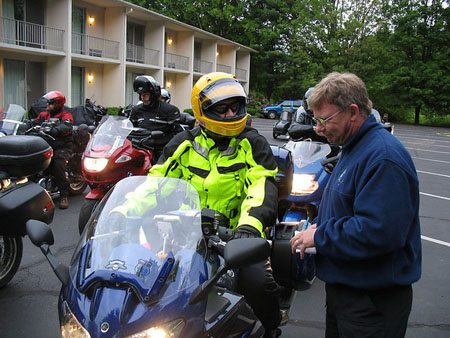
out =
column 116, row 150
column 81, row 135
column 20, row 199
column 157, row 274
column 301, row 181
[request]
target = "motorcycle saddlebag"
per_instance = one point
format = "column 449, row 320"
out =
column 24, row 155
column 20, row 203
column 288, row 269
column 283, row 179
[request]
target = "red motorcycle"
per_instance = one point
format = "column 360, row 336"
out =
column 116, row 150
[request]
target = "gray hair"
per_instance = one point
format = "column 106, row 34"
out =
column 342, row 90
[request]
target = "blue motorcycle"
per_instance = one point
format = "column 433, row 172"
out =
column 161, row 273
column 301, row 181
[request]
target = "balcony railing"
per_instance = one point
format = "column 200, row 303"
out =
column 223, row 68
column 202, row 66
column 176, row 61
column 28, row 34
column 92, row 46
column 241, row 73
column 140, row 54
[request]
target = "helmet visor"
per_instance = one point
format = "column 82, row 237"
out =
column 221, row 90
column 220, row 111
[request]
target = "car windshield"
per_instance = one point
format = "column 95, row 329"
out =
column 152, row 250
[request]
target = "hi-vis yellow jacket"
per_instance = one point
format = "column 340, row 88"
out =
column 235, row 179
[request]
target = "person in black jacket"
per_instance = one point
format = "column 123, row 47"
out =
column 152, row 114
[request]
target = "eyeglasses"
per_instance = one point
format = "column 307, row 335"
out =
column 324, row 121
column 51, row 101
column 222, row 108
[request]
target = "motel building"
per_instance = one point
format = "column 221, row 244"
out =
column 95, row 48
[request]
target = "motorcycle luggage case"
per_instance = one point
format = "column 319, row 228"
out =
column 20, row 203
column 22, row 155
column 288, row 269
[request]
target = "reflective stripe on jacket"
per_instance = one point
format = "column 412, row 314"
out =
column 236, row 180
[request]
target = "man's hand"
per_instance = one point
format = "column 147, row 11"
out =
column 246, row 231
column 303, row 239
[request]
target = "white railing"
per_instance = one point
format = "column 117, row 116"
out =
column 176, row 61
column 92, row 46
column 202, row 66
column 140, row 54
column 28, row 34
column 223, row 68
column 241, row 73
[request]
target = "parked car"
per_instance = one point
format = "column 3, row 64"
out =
column 274, row 111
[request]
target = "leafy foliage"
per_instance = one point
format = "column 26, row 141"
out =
column 398, row 47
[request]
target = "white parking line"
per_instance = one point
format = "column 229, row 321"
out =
column 435, row 196
column 429, row 173
column 429, row 159
column 437, row 241
column 428, row 150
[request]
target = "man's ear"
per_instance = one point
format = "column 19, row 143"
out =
column 354, row 109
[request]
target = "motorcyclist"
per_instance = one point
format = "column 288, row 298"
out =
column 62, row 140
column 304, row 115
column 153, row 114
column 232, row 168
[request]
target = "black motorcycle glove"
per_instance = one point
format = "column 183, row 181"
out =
column 246, row 231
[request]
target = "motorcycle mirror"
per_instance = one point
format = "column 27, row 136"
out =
column 42, row 236
column 39, row 233
column 245, row 251
column 301, row 131
column 156, row 134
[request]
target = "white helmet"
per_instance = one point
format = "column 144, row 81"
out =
column 165, row 95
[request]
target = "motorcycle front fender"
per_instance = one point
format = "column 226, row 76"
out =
column 95, row 194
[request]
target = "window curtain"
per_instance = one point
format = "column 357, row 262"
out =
column 15, row 85
column 77, row 93
column 8, row 28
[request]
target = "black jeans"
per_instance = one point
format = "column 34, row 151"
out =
column 367, row 313
column 58, row 168
column 262, row 293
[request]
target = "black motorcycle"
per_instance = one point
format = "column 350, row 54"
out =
column 81, row 136
column 20, row 199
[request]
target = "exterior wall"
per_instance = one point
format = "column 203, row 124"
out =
column 59, row 15
column 109, row 73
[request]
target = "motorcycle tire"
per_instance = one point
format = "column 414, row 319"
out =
column 85, row 213
column 77, row 185
column 11, row 250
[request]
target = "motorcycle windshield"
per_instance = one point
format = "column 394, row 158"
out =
column 306, row 152
column 155, row 250
column 110, row 135
column 11, row 119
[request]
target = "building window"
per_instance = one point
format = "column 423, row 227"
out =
column 77, row 95
column 15, row 83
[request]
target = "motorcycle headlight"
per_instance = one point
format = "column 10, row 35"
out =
column 304, row 184
column 94, row 165
column 167, row 330
column 70, row 326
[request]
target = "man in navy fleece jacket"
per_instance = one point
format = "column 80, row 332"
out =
column 367, row 233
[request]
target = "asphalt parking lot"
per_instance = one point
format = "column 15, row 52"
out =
column 28, row 305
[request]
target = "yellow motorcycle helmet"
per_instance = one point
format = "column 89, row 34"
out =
column 210, row 90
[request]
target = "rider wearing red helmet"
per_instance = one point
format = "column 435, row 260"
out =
column 62, row 132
